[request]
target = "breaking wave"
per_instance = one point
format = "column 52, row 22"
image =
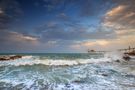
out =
column 34, row 60
column 45, row 73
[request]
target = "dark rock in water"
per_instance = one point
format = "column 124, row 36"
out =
column 126, row 57
column 117, row 60
column 8, row 57
column 15, row 57
column 78, row 81
column 67, row 85
column 2, row 59
column 104, row 74
column 130, row 76
column 5, row 57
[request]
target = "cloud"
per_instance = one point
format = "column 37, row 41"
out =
column 68, row 25
column 94, row 8
column 121, row 19
column 10, row 39
column 63, row 16
column 16, row 37
column 9, row 11
column 103, row 44
column 81, row 8
column 17, row 42
column 122, row 16
column 116, row 11
column 57, row 31
column 1, row 11
column 90, row 43
column 125, row 32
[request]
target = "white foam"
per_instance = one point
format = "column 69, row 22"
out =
column 74, row 86
column 27, row 57
column 114, row 55
column 29, row 60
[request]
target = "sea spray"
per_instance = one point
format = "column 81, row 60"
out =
column 114, row 55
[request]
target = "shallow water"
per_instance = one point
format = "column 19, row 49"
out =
column 66, row 72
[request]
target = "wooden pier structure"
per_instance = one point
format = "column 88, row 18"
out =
column 93, row 51
column 129, row 51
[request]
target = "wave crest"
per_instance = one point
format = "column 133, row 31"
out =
column 33, row 60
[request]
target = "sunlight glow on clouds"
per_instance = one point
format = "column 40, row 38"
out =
column 18, row 36
column 116, row 11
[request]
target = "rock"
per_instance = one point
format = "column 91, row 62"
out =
column 104, row 74
column 126, row 57
column 16, row 57
column 108, row 62
column 117, row 61
column 8, row 57
column 1, row 58
column 67, row 85
column 78, row 81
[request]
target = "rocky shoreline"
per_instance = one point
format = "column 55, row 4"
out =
column 9, row 57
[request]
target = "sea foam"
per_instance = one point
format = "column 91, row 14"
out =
column 33, row 60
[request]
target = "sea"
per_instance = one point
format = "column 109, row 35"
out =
column 67, row 71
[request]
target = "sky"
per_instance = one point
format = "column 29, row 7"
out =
column 66, row 26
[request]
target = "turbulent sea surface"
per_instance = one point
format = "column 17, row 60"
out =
column 67, row 72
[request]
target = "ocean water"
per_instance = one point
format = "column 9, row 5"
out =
column 67, row 72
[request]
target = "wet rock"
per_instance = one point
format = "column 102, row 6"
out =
column 117, row 61
column 104, row 74
column 67, row 85
column 78, row 81
column 16, row 57
column 126, row 57
column 130, row 76
column 2, row 59
column 10, row 57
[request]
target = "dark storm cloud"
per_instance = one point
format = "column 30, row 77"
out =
column 9, row 12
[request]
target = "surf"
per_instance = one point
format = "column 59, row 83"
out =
column 35, row 60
